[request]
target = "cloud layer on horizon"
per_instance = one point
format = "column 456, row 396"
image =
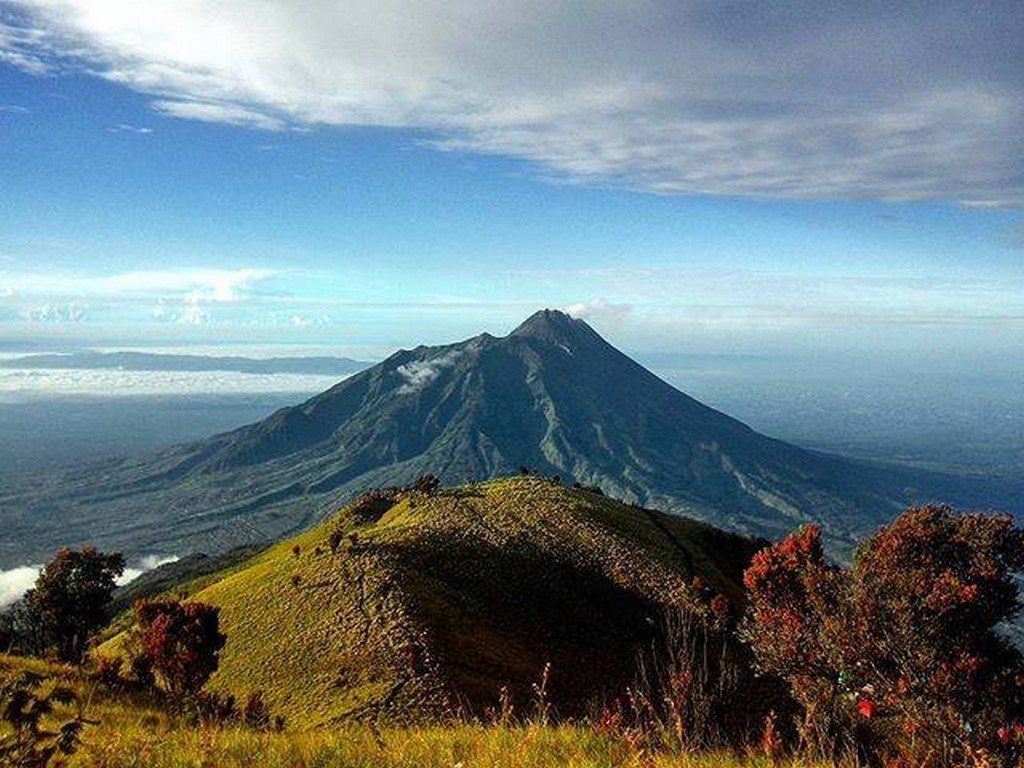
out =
column 893, row 101
column 15, row 582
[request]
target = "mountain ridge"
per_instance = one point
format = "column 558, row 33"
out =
column 552, row 395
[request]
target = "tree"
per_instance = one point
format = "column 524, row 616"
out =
column 798, row 625
column 70, row 597
column 930, row 591
column 182, row 642
column 21, row 630
column 899, row 653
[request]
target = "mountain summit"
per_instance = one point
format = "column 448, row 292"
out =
column 554, row 326
column 552, row 396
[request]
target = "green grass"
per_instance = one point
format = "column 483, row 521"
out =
column 490, row 581
column 360, row 747
column 129, row 732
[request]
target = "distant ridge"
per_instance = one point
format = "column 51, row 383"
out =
column 148, row 361
column 553, row 395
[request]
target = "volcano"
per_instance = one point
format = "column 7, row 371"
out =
column 552, row 396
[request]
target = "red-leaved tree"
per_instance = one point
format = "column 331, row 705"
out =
column 898, row 655
column 798, row 622
column 181, row 642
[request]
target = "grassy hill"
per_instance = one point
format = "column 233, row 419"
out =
column 416, row 606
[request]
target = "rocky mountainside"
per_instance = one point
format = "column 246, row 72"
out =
column 552, row 396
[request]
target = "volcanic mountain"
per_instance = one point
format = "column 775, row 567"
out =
column 552, row 396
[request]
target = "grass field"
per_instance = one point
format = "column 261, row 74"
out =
column 496, row 582
column 360, row 747
column 129, row 732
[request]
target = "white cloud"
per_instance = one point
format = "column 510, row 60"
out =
column 802, row 99
column 601, row 310
column 29, row 385
column 215, row 112
column 16, row 582
column 419, row 373
column 147, row 563
column 126, row 128
column 54, row 313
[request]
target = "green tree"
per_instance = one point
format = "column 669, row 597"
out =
column 70, row 597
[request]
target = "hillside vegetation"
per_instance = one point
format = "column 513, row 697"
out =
column 417, row 606
column 129, row 732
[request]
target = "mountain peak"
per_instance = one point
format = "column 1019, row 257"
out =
column 553, row 325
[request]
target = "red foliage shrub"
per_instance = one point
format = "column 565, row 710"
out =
column 797, row 624
column 898, row 654
column 182, row 642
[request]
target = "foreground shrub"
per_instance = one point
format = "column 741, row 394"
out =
column 899, row 655
column 695, row 686
column 799, row 626
column 181, row 643
column 25, row 701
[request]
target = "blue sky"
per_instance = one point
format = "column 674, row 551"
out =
column 203, row 175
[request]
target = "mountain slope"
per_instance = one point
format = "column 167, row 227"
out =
column 552, row 395
column 428, row 602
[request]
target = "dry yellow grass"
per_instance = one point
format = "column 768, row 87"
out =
column 131, row 733
column 360, row 747
column 487, row 582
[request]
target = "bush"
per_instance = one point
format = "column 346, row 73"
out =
column 427, row 484
column 217, row 709
column 897, row 656
column 695, row 686
column 182, row 643
column 798, row 629
column 24, row 703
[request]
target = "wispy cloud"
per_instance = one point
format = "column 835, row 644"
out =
column 184, row 296
column 419, row 373
column 600, row 309
column 126, row 128
column 746, row 298
column 899, row 101
column 220, row 112
column 1015, row 236
column 55, row 313
column 207, row 285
